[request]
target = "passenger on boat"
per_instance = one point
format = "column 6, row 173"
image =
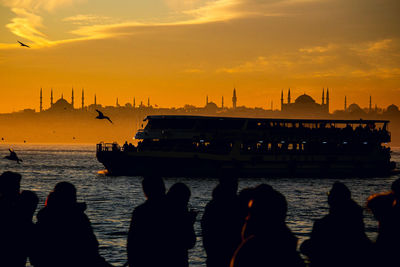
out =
column 339, row 238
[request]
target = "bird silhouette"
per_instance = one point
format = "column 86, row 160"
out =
column 13, row 156
column 101, row 116
column 22, row 44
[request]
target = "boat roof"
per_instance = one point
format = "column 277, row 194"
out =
column 190, row 117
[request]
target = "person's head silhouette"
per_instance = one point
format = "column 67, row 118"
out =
column 396, row 188
column 339, row 194
column 9, row 184
column 267, row 206
column 153, row 187
column 29, row 202
column 63, row 195
column 179, row 194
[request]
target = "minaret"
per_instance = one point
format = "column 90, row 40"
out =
column 222, row 102
column 41, row 101
column 327, row 99
column 134, row 103
column 95, row 100
column 288, row 96
column 117, row 104
column 83, row 99
column 281, row 100
column 234, row 98
column 72, row 98
column 370, row 103
column 323, row 96
column 206, row 100
column 148, row 102
column 345, row 103
column 51, row 98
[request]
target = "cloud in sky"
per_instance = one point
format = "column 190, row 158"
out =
column 26, row 25
column 333, row 60
column 48, row 5
column 84, row 19
column 28, row 22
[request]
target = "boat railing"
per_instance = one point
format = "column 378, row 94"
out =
column 107, row 147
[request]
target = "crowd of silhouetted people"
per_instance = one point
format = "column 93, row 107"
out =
column 245, row 229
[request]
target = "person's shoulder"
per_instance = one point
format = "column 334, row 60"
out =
column 322, row 223
column 142, row 208
column 43, row 213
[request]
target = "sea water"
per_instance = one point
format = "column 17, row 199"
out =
column 110, row 200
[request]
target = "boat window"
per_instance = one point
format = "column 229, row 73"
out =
column 172, row 123
column 219, row 124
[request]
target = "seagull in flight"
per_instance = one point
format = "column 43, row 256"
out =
column 22, row 44
column 101, row 116
column 13, row 156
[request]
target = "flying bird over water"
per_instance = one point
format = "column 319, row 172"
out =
column 13, row 156
column 22, row 44
column 101, row 116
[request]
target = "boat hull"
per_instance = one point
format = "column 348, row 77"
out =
column 174, row 164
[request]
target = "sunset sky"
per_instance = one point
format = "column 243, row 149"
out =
column 177, row 52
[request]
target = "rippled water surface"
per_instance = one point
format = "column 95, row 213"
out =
column 110, row 200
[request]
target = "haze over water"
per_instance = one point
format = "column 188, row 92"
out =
column 111, row 200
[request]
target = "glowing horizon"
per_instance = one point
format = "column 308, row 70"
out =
column 178, row 52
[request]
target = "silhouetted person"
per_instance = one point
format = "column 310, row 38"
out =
column 148, row 237
column 221, row 223
column 64, row 234
column 244, row 197
column 28, row 204
column 181, row 222
column 267, row 239
column 386, row 209
column 339, row 239
column 13, row 156
column 16, row 212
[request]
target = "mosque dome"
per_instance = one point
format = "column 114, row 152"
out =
column 392, row 109
column 61, row 104
column 211, row 105
column 354, row 108
column 304, row 99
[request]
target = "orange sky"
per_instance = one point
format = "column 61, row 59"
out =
column 177, row 52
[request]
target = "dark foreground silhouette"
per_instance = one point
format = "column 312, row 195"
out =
column 64, row 235
column 267, row 241
column 221, row 223
column 161, row 229
column 339, row 239
column 16, row 227
column 248, row 230
column 386, row 209
column 181, row 222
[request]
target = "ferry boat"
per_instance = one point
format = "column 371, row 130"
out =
column 203, row 146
